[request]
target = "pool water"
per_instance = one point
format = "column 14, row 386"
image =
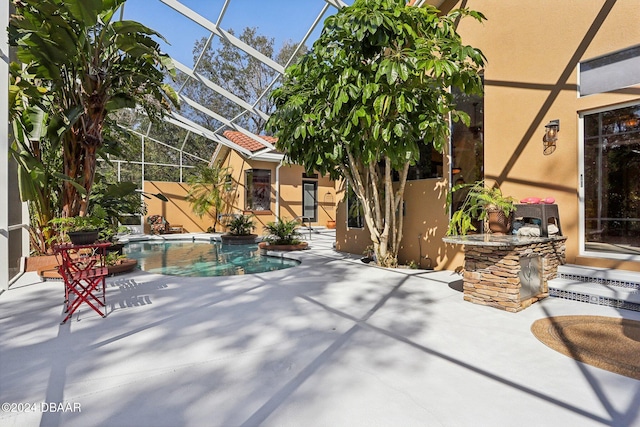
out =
column 203, row 259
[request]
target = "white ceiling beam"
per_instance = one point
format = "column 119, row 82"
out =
column 222, row 12
column 219, row 89
column 192, row 126
column 204, row 50
column 200, row 20
column 157, row 141
column 226, row 121
column 338, row 4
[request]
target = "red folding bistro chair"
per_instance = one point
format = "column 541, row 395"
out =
column 83, row 271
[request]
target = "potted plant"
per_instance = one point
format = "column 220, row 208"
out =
column 479, row 203
column 80, row 230
column 240, row 228
column 117, row 263
column 282, row 235
column 369, row 255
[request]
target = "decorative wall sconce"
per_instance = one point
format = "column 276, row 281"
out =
column 551, row 136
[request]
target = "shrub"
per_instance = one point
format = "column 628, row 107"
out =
column 282, row 232
column 241, row 225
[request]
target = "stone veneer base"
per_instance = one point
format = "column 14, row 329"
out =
column 492, row 271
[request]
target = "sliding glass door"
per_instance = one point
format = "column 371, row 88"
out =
column 611, row 182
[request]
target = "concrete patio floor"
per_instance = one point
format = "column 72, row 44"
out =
column 332, row 342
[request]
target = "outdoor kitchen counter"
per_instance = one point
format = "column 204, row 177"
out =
column 498, row 240
column 508, row 272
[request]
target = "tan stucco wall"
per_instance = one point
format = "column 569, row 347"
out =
column 533, row 52
column 425, row 224
column 531, row 78
column 290, row 191
column 177, row 211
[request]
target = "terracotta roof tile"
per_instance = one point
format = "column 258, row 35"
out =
column 246, row 142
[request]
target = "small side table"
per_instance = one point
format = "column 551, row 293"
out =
column 540, row 211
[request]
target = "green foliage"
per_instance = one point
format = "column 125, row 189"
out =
column 112, row 201
column 282, row 232
column 77, row 223
column 211, row 190
column 116, row 199
column 239, row 73
column 375, row 85
column 38, row 158
column 80, row 66
column 241, row 225
column 114, row 258
column 477, row 203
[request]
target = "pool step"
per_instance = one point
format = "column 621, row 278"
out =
column 601, row 286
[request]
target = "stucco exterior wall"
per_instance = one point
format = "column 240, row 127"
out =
column 531, row 77
column 290, row 191
column 177, row 211
column 425, row 224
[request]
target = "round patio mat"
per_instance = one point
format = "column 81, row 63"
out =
column 605, row 342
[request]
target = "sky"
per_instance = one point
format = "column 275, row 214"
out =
column 281, row 19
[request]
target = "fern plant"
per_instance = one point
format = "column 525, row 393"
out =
column 241, row 225
column 282, row 232
column 475, row 206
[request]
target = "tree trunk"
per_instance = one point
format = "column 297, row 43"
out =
column 72, row 158
column 88, row 176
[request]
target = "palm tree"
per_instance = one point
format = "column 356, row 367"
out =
column 86, row 66
column 211, row 188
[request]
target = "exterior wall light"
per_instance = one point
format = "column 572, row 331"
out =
column 551, row 136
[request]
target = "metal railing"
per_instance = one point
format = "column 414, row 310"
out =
column 307, row 220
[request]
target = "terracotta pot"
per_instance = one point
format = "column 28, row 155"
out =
column 125, row 266
column 331, row 224
column 499, row 223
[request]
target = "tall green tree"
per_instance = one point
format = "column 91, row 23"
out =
column 376, row 85
column 88, row 66
column 239, row 73
column 39, row 162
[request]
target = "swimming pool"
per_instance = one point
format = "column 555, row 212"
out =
column 202, row 259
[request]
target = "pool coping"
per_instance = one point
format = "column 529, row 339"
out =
column 203, row 237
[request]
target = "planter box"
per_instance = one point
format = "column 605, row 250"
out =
column 232, row 239
column 125, row 266
column 41, row 262
column 269, row 247
column 83, row 237
column 47, row 266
